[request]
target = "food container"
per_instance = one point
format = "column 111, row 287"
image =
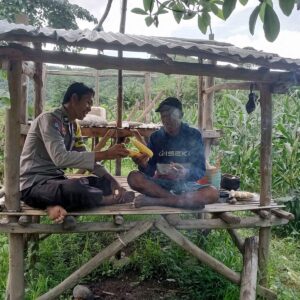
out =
column 230, row 182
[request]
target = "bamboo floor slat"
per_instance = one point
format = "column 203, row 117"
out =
column 129, row 209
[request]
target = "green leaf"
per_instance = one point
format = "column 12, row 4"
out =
column 148, row 5
column 177, row 16
column 243, row 2
column 149, row 20
column 228, row 7
column 189, row 15
column 178, row 12
column 203, row 22
column 287, row 6
column 161, row 10
column 253, row 19
column 139, row 11
column 262, row 11
column 217, row 11
column 271, row 24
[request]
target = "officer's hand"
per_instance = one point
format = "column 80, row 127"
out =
column 117, row 151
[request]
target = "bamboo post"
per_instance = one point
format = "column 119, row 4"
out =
column 200, row 100
column 11, row 179
column 38, row 85
column 208, row 107
column 93, row 263
column 229, row 218
column 147, row 96
column 238, row 241
column 23, row 19
column 178, row 86
column 150, row 106
column 249, row 274
column 134, row 109
column 266, row 174
column 120, row 84
column 96, row 98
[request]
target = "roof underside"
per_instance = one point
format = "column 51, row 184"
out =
column 158, row 46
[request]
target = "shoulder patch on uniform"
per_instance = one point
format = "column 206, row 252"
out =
column 56, row 123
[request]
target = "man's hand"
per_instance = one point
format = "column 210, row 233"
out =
column 141, row 160
column 177, row 171
column 116, row 151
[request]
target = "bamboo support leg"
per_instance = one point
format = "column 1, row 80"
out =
column 16, row 266
column 11, row 179
column 93, row 263
column 263, row 254
column 249, row 274
column 238, row 241
column 229, row 218
column 283, row 214
column 205, row 258
column 266, row 176
column 7, row 291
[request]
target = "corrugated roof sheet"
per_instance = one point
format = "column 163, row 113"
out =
column 139, row 43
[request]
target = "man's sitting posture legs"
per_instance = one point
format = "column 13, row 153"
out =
column 154, row 194
column 170, row 176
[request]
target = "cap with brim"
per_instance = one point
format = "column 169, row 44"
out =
column 169, row 103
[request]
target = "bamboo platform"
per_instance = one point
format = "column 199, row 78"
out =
column 129, row 209
column 169, row 221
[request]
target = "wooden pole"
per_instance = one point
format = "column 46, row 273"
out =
column 254, row 222
column 93, row 263
column 104, row 62
column 134, row 109
column 191, row 248
column 231, row 86
column 266, row 176
column 38, row 85
column 179, row 86
column 11, row 179
column 200, row 102
column 147, row 96
column 120, row 84
column 96, row 99
column 150, row 106
column 205, row 258
column 23, row 19
column 249, row 274
column 238, row 241
column 208, row 107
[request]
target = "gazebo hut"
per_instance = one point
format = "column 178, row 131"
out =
column 270, row 74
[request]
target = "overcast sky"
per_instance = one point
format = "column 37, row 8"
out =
column 234, row 30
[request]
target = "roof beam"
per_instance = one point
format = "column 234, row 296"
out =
column 102, row 62
column 225, row 56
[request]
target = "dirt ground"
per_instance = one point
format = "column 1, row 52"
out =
column 128, row 287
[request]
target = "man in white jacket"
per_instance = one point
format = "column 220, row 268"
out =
column 51, row 146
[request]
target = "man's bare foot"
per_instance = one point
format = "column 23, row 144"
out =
column 56, row 213
column 140, row 201
column 127, row 197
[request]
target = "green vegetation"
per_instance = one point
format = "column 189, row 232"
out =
column 46, row 13
column 154, row 257
column 203, row 10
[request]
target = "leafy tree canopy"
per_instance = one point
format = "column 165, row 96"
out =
column 53, row 13
column 202, row 10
